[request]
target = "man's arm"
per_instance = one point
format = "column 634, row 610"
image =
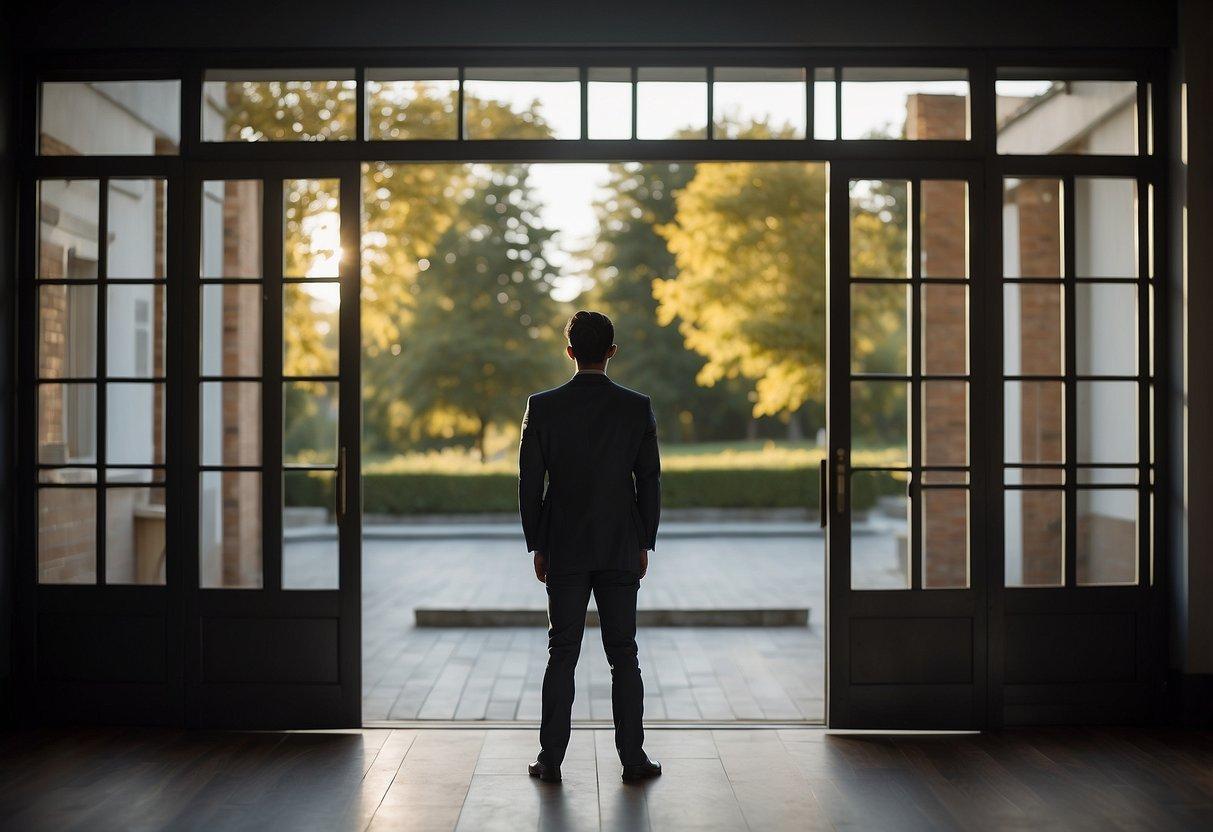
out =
column 531, row 471
column 647, row 470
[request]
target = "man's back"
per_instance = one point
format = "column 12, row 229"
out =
column 596, row 441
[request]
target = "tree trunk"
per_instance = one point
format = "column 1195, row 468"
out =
column 481, row 436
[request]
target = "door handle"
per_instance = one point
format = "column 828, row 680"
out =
column 823, row 488
column 840, row 474
column 341, row 489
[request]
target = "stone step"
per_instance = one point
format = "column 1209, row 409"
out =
column 443, row 616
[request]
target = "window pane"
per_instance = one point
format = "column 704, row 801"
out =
column 137, row 236
column 1106, row 329
column 231, row 423
column 879, row 419
column 945, row 423
column 309, row 431
column 880, row 542
column 1035, row 535
column 67, row 536
column 671, row 103
column 134, row 331
column 311, row 244
column 880, row 239
column 945, row 325
column 1032, row 324
column 134, row 424
column 67, row 424
column 825, row 105
column 254, row 105
column 944, row 223
column 879, row 328
column 1031, row 228
column 508, row 103
column 609, row 101
column 412, row 103
column 67, row 228
column 1107, row 421
column 310, row 328
column 229, row 529
column 1035, row 476
column 231, row 228
column 895, row 103
column 1107, row 476
column 310, row 554
column 945, row 538
column 1033, row 423
column 134, row 535
column 759, row 103
column 1106, row 545
column 66, row 476
column 231, row 330
column 114, row 118
column 67, row 331
column 1105, row 227
column 1041, row 116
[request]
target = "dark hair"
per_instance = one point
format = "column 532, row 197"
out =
column 590, row 335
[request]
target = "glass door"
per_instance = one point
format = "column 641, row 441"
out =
column 907, row 611
column 273, row 618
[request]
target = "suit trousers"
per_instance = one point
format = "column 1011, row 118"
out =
column 568, row 598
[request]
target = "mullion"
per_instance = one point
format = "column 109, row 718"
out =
column 1145, row 385
column 635, row 78
column 711, row 76
column 1069, row 389
column 915, row 393
column 101, row 369
column 272, row 231
column 583, row 89
column 810, row 119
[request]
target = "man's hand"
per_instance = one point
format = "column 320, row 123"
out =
column 541, row 568
column 644, row 561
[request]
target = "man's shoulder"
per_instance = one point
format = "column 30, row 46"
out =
column 629, row 393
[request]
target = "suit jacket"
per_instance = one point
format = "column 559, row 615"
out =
column 596, row 442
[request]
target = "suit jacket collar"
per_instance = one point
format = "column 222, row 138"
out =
column 589, row 379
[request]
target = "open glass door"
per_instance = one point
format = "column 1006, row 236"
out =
column 907, row 613
column 273, row 613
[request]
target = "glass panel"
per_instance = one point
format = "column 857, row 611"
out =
column 671, row 103
column 134, row 424
column 945, row 329
column 231, row 228
column 1033, row 421
column 1036, row 116
column 759, row 103
column 1031, row 228
column 67, row 331
column 931, row 476
column 1106, row 544
column 309, row 430
column 1105, row 227
column 67, row 535
column 311, row 243
column 945, row 423
column 1107, row 421
column 412, row 103
column 134, row 331
column 231, row 423
column 310, row 328
column 310, row 554
column 67, row 424
column 1105, row 329
column 1034, row 537
column 1035, row 476
column 880, row 537
column 255, row 105
column 945, row 538
column 231, row 330
column 134, row 536
column 944, row 222
column 880, row 238
column 110, row 118
column 124, row 476
column 609, row 102
column 825, row 105
column 879, row 328
column 904, row 103
column 68, row 229
column 136, row 233
column 1032, row 325
column 1107, row 476
column 512, row 103
column 66, row 476
column 229, row 529
column 880, row 420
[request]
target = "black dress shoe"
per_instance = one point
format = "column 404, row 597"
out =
column 645, row 771
column 546, row 773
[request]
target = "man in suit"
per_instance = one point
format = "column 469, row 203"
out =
column 591, row 530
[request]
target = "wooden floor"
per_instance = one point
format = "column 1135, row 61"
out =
column 475, row 779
